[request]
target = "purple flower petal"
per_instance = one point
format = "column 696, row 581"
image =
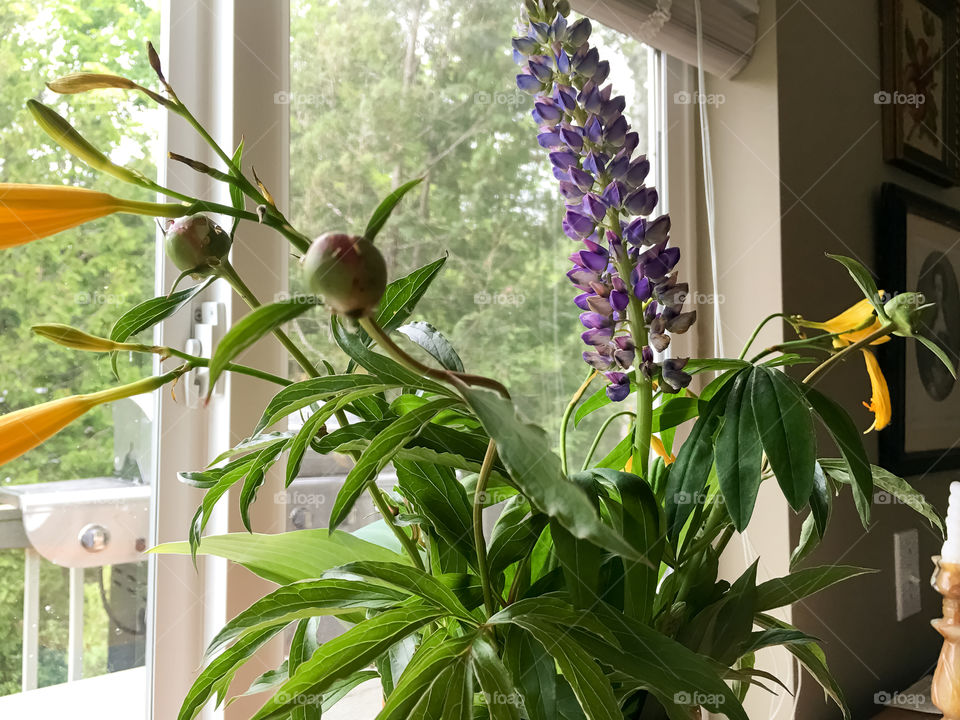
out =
column 636, row 231
column 592, row 320
column 549, row 139
column 618, row 166
column 593, row 162
column 579, row 32
column 639, row 169
column 598, row 360
column 616, row 131
column 548, row 111
column 563, row 159
column 582, row 278
column 570, row 191
column 528, row 83
column 597, row 336
column 581, row 178
column 642, row 201
column 619, row 387
column 572, row 138
column 525, row 45
column 594, row 207
column 612, row 194
column 580, row 224
column 602, row 73
column 593, row 129
column 619, row 300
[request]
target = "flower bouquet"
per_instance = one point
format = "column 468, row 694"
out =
column 597, row 593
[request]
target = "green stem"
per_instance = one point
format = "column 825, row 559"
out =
column 456, row 379
column 229, row 273
column 599, row 436
column 405, row 540
column 231, row 367
column 882, row 331
column 757, row 330
column 478, row 538
column 565, row 421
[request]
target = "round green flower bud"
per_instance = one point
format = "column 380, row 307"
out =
column 196, row 244
column 909, row 312
column 347, row 271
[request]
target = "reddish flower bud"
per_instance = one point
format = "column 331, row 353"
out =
column 196, row 244
column 347, row 271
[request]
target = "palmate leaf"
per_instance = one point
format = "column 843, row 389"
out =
column 288, row 557
column 739, row 453
column 811, row 656
column 149, row 313
column 308, row 598
column 380, row 451
column 535, row 471
column 250, row 328
column 786, row 432
column 848, row 441
column 803, row 583
column 888, row 483
column 343, row 655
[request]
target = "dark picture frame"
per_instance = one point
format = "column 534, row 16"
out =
column 920, row 65
column 920, row 251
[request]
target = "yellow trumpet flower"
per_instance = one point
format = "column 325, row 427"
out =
column 22, row 430
column 879, row 403
column 857, row 319
column 31, row 212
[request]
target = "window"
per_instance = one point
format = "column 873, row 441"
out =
column 383, row 92
column 80, row 618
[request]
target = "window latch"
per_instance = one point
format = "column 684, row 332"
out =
column 209, row 321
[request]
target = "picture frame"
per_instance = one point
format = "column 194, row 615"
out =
column 920, row 105
column 920, row 251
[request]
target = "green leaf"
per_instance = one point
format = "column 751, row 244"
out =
column 412, row 581
column 803, row 583
column 388, row 371
column 308, row 598
column 219, row 673
column 812, row 658
column 287, row 557
column 250, row 328
column 380, row 451
column 688, row 475
column 698, row 365
column 864, row 280
column 673, row 412
column 402, row 296
column 382, row 213
column 771, row 638
column 237, row 198
column 302, row 648
column 247, row 446
column 534, row 674
column 848, row 441
column 430, row 339
column 739, row 454
column 821, row 500
column 305, row 393
column 787, row 433
column 255, row 477
column 437, row 495
column 434, row 655
column 808, row 541
column 889, row 483
column 495, row 682
column 514, row 534
column 345, row 654
column 149, row 313
column 578, row 666
column 939, row 352
column 535, row 471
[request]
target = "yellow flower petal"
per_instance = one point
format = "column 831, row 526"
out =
column 853, row 317
column 22, row 430
column 31, row 212
column 879, row 403
column 660, row 450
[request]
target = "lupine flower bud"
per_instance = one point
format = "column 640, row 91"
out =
column 196, row 244
column 347, row 271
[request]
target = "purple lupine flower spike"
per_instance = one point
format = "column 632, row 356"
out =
column 623, row 259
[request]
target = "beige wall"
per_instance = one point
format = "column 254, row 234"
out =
column 798, row 166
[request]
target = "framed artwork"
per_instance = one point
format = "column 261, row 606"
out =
column 920, row 251
column 920, row 105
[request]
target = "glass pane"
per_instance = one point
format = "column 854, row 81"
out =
column 96, row 473
column 385, row 91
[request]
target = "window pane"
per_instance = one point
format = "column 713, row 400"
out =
column 386, row 91
column 84, row 277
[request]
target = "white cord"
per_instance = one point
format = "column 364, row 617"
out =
column 708, row 185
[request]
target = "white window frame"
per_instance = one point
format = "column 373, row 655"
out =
column 227, row 59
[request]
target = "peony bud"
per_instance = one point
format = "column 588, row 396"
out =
column 196, row 244
column 347, row 271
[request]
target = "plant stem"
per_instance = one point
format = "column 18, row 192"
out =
column 228, row 273
column 405, row 540
column 566, row 419
column 757, row 330
column 478, row 536
column 599, row 436
column 882, row 331
column 231, row 367
column 449, row 376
